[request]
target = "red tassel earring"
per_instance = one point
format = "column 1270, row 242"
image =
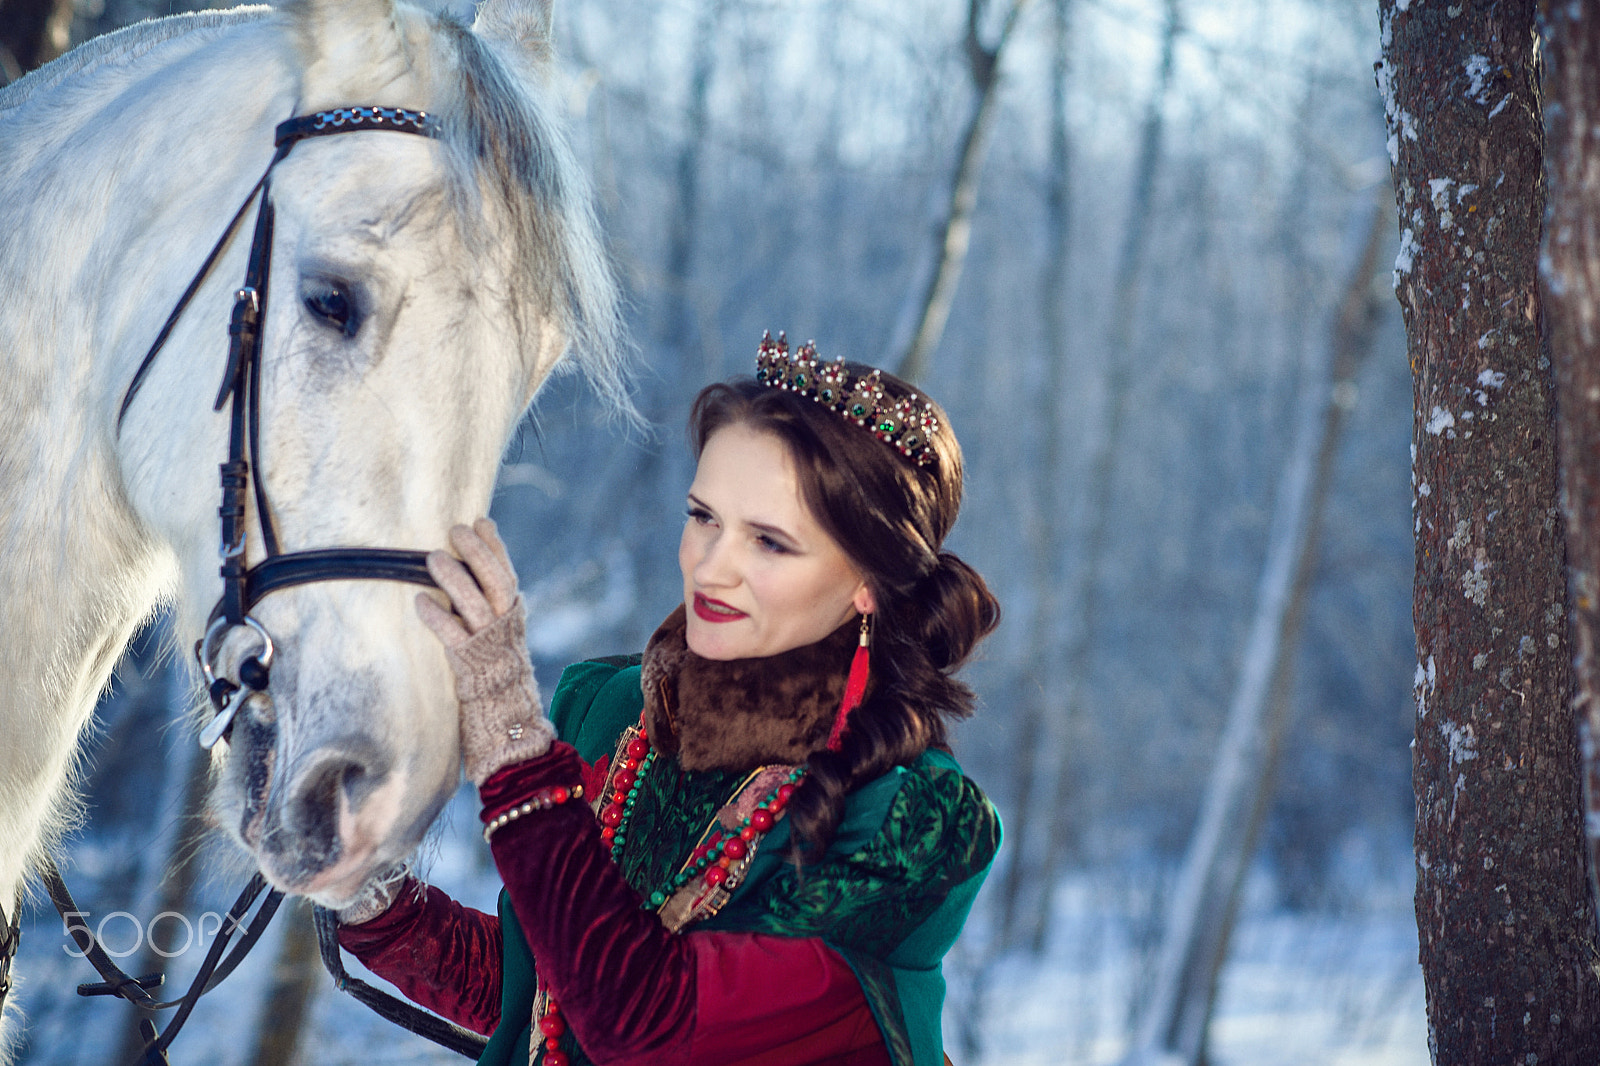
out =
column 855, row 685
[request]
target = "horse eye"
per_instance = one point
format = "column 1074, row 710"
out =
column 335, row 308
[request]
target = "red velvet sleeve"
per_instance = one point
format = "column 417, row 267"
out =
column 635, row 993
column 441, row 955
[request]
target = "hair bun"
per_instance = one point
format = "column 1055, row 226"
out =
column 952, row 609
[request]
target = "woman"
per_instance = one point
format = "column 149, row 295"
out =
column 750, row 844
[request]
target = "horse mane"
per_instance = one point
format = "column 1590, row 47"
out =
column 502, row 139
column 128, row 43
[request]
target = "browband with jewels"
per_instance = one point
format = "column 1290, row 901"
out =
column 906, row 424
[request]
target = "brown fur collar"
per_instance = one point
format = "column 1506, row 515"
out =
column 743, row 713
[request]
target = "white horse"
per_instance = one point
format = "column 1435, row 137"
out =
column 421, row 290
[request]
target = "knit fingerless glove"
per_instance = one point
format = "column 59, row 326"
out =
column 502, row 721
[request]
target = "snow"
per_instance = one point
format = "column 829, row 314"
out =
column 1400, row 123
column 1439, row 420
column 1405, row 258
column 1478, row 69
column 1463, row 742
column 1426, row 679
column 1491, row 379
column 1328, row 988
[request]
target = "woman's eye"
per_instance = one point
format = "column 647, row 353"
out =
column 332, row 306
column 698, row 515
column 770, row 545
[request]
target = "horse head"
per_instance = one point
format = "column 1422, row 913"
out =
column 421, row 289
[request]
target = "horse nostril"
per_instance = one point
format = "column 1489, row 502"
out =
column 314, row 812
column 315, row 804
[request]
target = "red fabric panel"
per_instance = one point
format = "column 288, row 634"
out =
column 779, row 1001
column 443, row 956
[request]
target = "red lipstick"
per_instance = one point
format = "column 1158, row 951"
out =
column 710, row 610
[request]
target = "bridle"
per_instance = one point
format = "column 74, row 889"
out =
column 242, row 588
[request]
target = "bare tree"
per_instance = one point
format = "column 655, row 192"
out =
column 910, row 356
column 1194, row 944
column 1033, row 758
column 1572, row 305
column 1075, row 658
column 684, row 224
column 1503, row 914
column 296, row 976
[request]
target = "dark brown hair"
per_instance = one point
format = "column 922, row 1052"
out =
column 890, row 516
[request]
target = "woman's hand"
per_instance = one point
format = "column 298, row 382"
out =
column 485, row 642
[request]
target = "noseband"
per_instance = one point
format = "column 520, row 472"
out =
column 242, row 587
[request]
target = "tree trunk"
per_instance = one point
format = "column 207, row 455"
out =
column 1039, row 749
column 1572, row 307
column 681, row 328
column 181, row 867
column 32, row 33
column 1503, row 913
column 1205, row 900
column 955, row 230
column 292, row 986
column 1076, row 657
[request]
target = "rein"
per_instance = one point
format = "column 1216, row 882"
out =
column 242, row 588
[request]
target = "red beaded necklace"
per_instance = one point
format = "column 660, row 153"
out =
column 718, row 849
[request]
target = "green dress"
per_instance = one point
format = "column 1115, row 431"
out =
column 890, row 895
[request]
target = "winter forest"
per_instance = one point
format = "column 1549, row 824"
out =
column 1145, row 253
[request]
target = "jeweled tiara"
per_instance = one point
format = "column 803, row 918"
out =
column 907, row 424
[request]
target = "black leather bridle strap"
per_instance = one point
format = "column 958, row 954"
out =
column 285, row 136
column 212, row 971
column 336, row 564
column 242, row 384
column 199, row 278
column 11, row 932
column 444, row 1033
column 242, row 588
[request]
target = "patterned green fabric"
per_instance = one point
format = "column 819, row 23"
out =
column 672, row 809
column 890, row 895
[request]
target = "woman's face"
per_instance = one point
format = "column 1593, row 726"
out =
column 760, row 576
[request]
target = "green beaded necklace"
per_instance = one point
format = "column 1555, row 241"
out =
column 718, row 848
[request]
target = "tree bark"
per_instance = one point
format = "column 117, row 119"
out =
column 1572, row 309
column 1503, row 914
column 955, row 230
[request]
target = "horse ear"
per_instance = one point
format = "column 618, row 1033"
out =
column 341, row 43
column 523, row 24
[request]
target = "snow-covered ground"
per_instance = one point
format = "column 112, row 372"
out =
column 1312, row 989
